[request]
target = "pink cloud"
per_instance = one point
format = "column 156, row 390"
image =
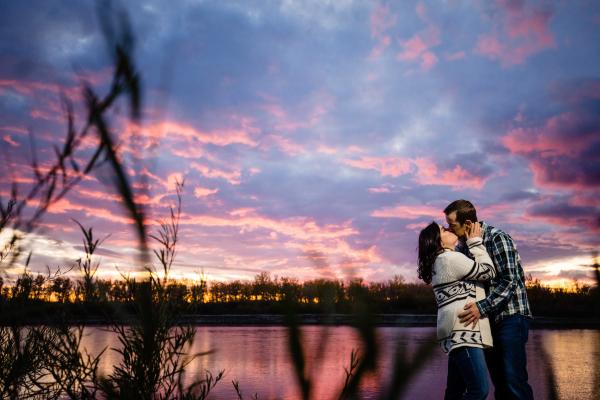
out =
column 185, row 151
column 165, row 184
column 47, row 115
column 386, row 166
column 428, row 60
column 423, row 170
column 495, row 211
column 408, row 212
column 95, row 78
column 21, row 180
column 284, row 144
column 378, row 50
column 421, row 10
column 490, row 46
column 91, row 195
column 242, row 212
column 428, row 173
column 88, row 196
column 326, row 149
column 563, row 173
column 415, row 227
column 45, row 92
column 8, row 139
column 381, row 21
column 305, row 115
column 247, row 220
column 382, row 189
column 173, row 179
column 519, row 32
column 415, row 49
column 15, row 130
column 558, row 149
column 231, row 176
column 574, row 93
column 553, row 138
column 340, row 255
column 64, row 206
column 201, row 192
column 219, row 137
column 356, row 149
column 459, row 55
column 584, row 200
column 565, row 213
column 418, row 48
column 28, row 88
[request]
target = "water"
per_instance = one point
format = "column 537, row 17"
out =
column 258, row 358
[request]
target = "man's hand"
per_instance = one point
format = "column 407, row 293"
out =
column 474, row 230
column 471, row 314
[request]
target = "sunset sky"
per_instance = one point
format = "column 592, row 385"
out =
column 316, row 138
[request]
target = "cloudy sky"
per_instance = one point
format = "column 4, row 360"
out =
column 317, row 137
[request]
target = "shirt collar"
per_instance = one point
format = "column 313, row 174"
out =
column 485, row 229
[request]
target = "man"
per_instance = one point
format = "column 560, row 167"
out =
column 506, row 304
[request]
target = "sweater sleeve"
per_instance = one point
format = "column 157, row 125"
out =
column 482, row 267
column 459, row 267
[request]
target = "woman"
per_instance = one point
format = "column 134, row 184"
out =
column 456, row 280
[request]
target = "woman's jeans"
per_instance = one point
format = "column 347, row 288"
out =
column 467, row 374
column 507, row 360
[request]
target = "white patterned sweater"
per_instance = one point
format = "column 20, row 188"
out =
column 456, row 280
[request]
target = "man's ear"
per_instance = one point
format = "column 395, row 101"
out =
column 468, row 225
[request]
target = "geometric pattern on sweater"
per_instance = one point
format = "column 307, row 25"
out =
column 461, row 337
column 453, row 291
column 478, row 273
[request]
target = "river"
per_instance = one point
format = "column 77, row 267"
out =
column 258, row 358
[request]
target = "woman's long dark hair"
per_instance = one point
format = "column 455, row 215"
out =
column 430, row 245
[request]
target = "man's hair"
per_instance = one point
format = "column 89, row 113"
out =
column 465, row 210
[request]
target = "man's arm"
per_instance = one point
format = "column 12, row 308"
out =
column 505, row 255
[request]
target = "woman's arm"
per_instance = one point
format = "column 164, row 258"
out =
column 463, row 268
column 482, row 268
column 458, row 267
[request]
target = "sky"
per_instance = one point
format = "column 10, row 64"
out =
column 316, row 138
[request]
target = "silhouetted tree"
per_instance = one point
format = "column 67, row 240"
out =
column 61, row 287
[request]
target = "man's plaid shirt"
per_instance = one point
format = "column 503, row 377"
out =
column 507, row 295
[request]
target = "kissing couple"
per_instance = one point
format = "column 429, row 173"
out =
column 482, row 308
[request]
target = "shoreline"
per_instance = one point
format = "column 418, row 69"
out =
column 380, row 320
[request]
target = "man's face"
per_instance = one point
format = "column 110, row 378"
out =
column 455, row 226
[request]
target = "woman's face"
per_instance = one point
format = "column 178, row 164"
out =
column 449, row 239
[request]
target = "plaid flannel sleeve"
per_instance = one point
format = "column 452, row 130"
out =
column 505, row 283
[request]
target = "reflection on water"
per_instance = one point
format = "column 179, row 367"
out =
column 575, row 359
column 258, row 358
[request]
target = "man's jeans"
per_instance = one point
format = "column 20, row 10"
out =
column 467, row 374
column 507, row 361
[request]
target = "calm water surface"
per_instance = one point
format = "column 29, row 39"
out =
column 257, row 357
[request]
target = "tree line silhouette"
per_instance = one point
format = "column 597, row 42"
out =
column 266, row 294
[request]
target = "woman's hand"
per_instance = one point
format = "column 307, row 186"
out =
column 475, row 230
